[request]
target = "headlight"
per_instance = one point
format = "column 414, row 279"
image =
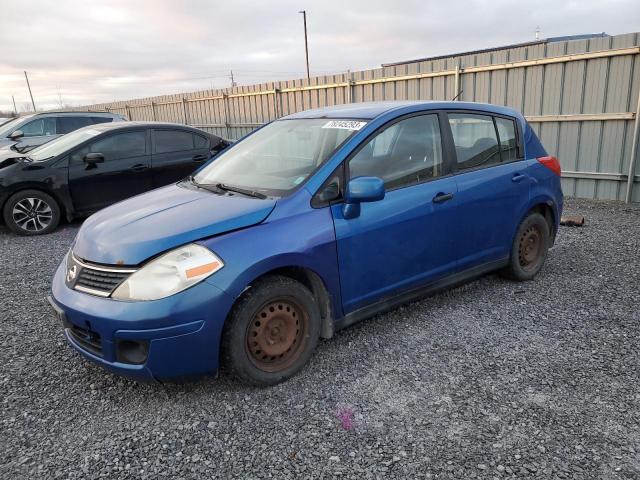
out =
column 171, row 273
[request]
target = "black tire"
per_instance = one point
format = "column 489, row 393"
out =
column 529, row 249
column 31, row 212
column 276, row 313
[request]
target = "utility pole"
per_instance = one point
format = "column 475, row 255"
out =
column 30, row 94
column 306, row 45
column 15, row 110
column 233, row 82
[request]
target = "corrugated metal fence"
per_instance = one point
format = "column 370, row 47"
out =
column 581, row 96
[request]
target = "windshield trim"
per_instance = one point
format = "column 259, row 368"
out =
column 279, row 193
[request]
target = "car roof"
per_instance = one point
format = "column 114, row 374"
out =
column 104, row 127
column 371, row 110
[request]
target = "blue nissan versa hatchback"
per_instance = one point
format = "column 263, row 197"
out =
column 309, row 224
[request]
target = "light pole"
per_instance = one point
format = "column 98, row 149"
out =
column 30, row 94
column 306, row 46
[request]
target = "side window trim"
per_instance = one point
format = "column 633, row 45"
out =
column 446, row 161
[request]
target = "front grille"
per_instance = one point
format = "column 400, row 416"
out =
column 87, row 339
column 95, row 279
column 99, row 280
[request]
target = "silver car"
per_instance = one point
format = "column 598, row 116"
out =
column 29, row 131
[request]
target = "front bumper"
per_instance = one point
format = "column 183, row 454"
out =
column 182, row 332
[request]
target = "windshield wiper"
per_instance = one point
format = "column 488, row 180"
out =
column 204, row 186
column 243, row 191
column 223, row 187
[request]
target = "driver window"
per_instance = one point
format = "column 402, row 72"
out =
column 115, row 147
column 403, row 154
column 40, row 127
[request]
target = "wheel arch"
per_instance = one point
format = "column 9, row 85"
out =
column 65, row 209
column 546, row 207
column 311, row 280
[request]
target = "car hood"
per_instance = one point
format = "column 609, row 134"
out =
column 6, row 153
column 131, row 231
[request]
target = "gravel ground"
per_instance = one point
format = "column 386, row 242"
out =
column 491, row 380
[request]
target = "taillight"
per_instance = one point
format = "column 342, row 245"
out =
column 552, row 164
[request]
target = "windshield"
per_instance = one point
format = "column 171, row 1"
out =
column 62, row 144
column 8, row 127
column 279, row 157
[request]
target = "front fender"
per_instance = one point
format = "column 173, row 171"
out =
column 306, row 240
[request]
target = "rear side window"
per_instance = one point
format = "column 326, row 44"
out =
column 173, row 141
column 40, row 127
column 69, row 124
column 475, row 140
column 508, row 139
column 403, row 154
column 95, row 120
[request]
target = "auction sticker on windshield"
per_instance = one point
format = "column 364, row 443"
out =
column 345, row 124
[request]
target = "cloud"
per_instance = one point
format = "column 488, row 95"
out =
column 86, row 52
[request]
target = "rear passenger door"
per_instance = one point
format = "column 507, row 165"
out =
column 492, row 183
column 176, row 154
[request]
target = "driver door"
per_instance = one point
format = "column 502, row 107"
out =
column 405, row 240
column 126, row 170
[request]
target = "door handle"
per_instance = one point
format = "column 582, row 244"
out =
column 139, row 167
column 199, row 158
column 518, row 177
column 442, row 197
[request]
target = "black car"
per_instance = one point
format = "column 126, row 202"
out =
column 95, row 166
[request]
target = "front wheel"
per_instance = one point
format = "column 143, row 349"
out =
column 529, row 249
column 31, row 212
column 271, row 332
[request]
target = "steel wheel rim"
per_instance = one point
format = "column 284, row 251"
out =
column 32, row 214
column 530, row 248
column 275, row 336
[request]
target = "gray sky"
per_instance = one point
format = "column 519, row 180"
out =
column 82, row 52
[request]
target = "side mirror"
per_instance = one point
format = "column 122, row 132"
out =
column 359, row 190
column 16, row 135
column 91, row 159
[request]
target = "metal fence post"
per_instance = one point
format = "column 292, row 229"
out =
column 225, row 104
column 634, row 154
column 276, row 102
column 456, row 83
column 349, row 87
column 184, row 111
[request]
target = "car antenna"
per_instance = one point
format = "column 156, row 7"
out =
column 459, row 93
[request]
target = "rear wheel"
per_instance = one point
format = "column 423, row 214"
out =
column 31, row 212
column 271, row 332
column 529, row 249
